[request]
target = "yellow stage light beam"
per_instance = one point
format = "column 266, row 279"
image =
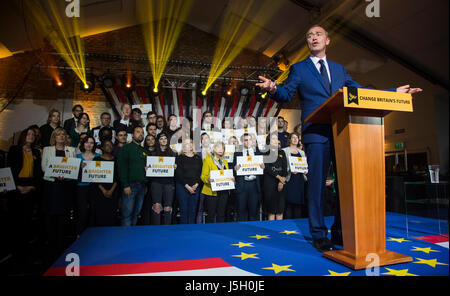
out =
column 162, row 21
column 333, row 33
column 62, row 32
column 235, row 34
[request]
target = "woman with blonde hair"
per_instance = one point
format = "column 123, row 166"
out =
column 216, row 202
column 57, row 191
column 53, row 121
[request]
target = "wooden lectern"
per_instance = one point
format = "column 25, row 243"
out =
column 356, row 116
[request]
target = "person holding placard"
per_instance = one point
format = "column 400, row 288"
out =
column 274, row 180
column 150, row 145
column 248, row 188
column 216, row 202
column 131, row 166
column 24, row 161
column 162, row 188
column 295, row 181
column 57, row 192
column 84, row 200
column 188, row 182
column 105, row 195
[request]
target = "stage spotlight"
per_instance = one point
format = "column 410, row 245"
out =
column 58, row 83
column 244, row 91
column 229, row 92
column 155, row 89
column 204, row 92
column 108, row 81
column 128, row 81
column 89, row 85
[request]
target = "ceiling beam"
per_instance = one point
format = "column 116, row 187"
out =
column 371, row 43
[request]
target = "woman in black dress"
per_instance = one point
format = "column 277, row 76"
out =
column 295, row 182
column 24, row 161
column 105, row 195
column 275, row 172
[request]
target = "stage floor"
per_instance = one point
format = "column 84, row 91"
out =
column 267, row 248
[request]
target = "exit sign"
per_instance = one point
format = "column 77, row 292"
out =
column 399, row 145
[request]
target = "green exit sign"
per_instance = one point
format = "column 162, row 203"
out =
column 399, row 145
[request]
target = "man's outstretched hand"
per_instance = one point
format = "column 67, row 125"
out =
column 407, row 89
column 267, row 84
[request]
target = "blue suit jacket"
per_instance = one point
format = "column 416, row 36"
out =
column 306, row 80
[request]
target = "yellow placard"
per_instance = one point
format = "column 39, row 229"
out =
column 377, row 99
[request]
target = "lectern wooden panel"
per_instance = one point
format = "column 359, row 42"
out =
column 359, row 146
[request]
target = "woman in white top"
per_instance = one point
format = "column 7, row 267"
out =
column 57, row 191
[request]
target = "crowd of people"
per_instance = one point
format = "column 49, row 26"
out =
column 135, row 199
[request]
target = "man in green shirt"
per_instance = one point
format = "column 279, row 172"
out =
column 131, row 164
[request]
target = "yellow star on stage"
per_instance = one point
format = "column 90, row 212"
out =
column 403, row 272
column 244, row 256
column 260, row 236
column 425, row 250
column 399, row 240
column 241, row 244
column 332, row 273
column 279, row 268
column 431, row 262
column 290, row 232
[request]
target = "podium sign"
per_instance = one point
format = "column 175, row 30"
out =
column 377, row 99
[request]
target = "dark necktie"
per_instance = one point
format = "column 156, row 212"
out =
column 324, row 74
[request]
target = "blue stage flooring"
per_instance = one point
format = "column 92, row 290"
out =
column 280, row 248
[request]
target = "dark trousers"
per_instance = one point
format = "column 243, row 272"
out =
column 162, row 194
column 216, row 207
column 84, row 209
column 248, row 199
column 319, row 156
column 188, row 204
column 55, row 228
column 21, row 206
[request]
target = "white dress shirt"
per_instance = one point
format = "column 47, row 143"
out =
column 316, row 63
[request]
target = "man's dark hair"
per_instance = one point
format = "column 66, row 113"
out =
column 105, row 133
column 77, row 106
column 120, row 128
column 105, row 113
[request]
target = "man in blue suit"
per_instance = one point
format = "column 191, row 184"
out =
column 315, row 79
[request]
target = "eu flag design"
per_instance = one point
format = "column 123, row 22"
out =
column 267, row 248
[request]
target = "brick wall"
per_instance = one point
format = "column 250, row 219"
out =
column 38, row 95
